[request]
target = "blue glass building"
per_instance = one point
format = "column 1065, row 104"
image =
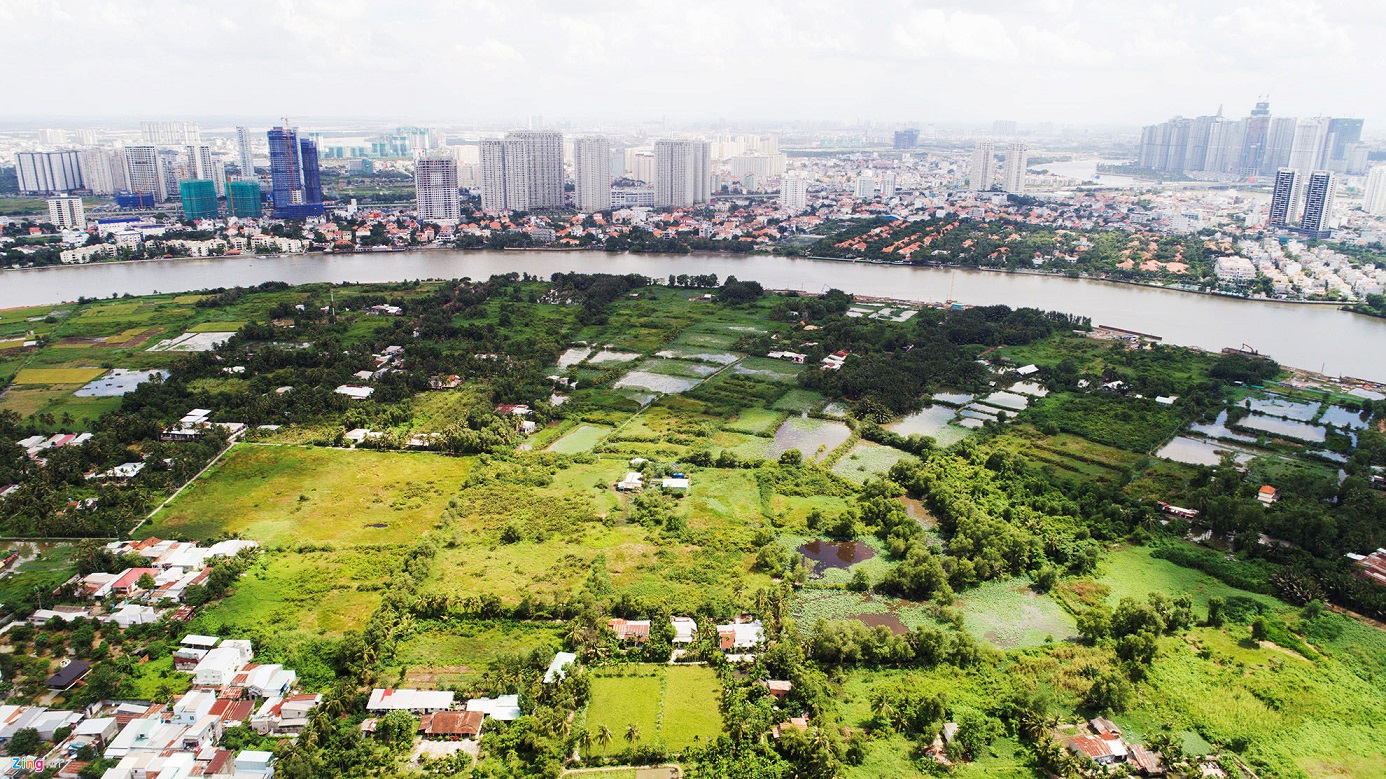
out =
column 295, row 183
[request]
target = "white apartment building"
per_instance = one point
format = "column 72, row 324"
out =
column 1017, row 160
column 983, row 172
column 522, row 172
column 67, row 212
column 435, row 187
column 794, row 192
column 592, row 174
column 1375, row 200
column 682, row 173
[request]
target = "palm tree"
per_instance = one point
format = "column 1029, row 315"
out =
column 584, row 740
column 604, row 736
column 632, row 733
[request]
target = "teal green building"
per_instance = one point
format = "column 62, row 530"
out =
column 199, row 198
column 243, row 199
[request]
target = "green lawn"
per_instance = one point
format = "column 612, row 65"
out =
column 675, row 706
column 287, row 495
column 1130, row 572
column 580, row 440
column 867, row 459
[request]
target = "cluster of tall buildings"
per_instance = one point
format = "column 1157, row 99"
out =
column 523, row 171
column 1256, row 145
column 1304, row 202
column 169, row 162
column 982, row 174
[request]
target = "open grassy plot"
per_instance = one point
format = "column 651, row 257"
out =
column 216, row 327
column 41, row 567
column 57, row 375
column 800, row 401
column 690, row 715
column 439, row 656
column 26, row 401
column 581, row 439
column 756, row 421
column 1008, row 614
column 305, row 593
column 674, row 706
column 867, row 459
column 1130, row 572
column 287, row 495
column 157, row 680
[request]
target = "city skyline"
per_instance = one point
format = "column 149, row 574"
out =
column 1063, row 61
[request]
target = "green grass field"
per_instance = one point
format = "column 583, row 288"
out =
column 1130, row 572
column 439, row 656
column 57, row 375
column 675, row 706
column 867, row 459
column 580, row 440
column 288, row 495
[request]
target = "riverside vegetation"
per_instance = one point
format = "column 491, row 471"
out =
column 1018, row 579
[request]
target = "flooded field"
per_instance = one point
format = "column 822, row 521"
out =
column 657, row 382
column 1219, row 429
column 882, row 620
column 932, row 421
column 1279, row 407
column 1196, row 451
column 1288, row 428
column 1007, row 400
column 1033, row 389
column 835, row 554
column 917, row 512
column 953, row 398
column 605, row 357
column 573, row 356
column 815, row 438
column 1338, row 416
column 721, row 358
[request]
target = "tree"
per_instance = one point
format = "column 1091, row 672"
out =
column 604, row 736
column 1109, row 692
column 397, row 728
column 25, row 742
column 632, row 734
column 146, row 582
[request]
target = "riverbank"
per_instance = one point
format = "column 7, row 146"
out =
column 1340, row 304
column 1315, row 336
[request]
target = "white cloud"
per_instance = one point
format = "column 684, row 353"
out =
column 1060, row 60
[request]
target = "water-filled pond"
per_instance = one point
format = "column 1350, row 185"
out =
column 835, row 554
column 1300, row 431
column 808, row 436
column 1342, row 417
column 1195, row 451
column 1279, row 407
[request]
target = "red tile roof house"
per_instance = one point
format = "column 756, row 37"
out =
column 1102, row 751
column 778, row 689
column 126, row 584
column 451, row 725
column 630, row 630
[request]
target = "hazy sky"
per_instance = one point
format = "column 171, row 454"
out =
column 1105, row 61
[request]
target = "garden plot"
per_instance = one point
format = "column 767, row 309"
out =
column 57, row 375
column 814, row 438
column 191, row 342
column 676, row 706
column 766, row 368
column 670, row 367
column 117, row 383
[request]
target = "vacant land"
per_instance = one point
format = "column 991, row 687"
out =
column 1009, row 615
column 57, row 375
column 291, row 495
column 674, row 706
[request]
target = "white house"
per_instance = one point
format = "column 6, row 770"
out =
column 416, row 701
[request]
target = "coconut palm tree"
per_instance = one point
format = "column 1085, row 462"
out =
column 632, row 733
column 584, row 740
column 604, row 736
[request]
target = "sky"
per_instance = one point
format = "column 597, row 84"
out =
column 1112, row 62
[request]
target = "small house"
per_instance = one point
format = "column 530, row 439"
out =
column 1267, row 494
column 451, row 725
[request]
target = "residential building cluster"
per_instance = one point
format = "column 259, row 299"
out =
column 181, row 738
column 1297, row 270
